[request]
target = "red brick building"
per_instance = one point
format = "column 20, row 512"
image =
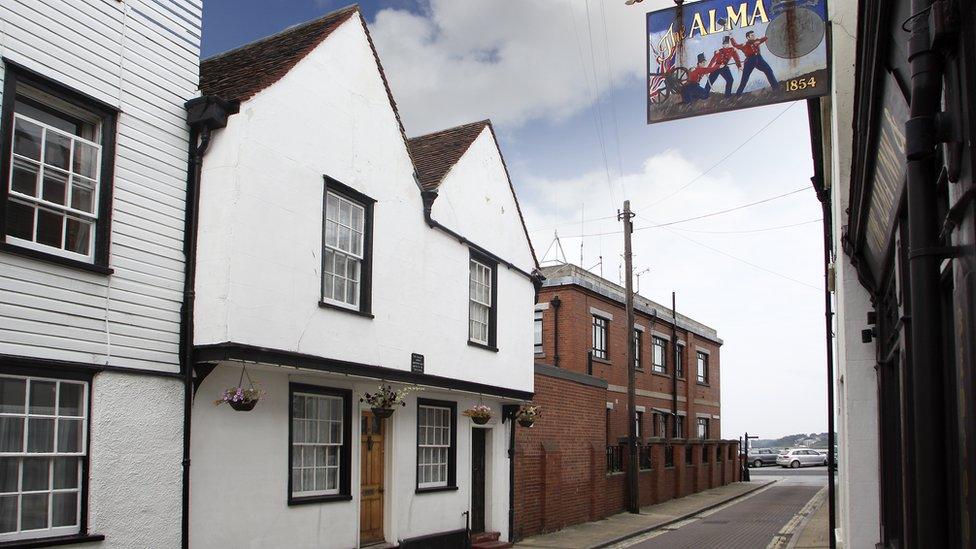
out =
column 570, row 465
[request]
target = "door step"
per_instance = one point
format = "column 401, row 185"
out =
column 378, row 545
column 488, row 540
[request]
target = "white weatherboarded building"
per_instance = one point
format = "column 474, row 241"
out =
column 320, row 270
column 93, row 161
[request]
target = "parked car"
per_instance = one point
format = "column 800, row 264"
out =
column 799, row 457
column 762, row 456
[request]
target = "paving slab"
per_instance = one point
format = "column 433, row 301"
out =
column 616, row 528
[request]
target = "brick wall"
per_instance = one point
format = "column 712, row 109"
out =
column 560, row 473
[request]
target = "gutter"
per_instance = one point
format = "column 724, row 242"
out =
column 429, row 197
column 203, row 115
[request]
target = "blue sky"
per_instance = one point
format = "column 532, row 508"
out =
column 563, row 81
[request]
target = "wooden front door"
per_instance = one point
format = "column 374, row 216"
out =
column 371, row 482
column 478, row 480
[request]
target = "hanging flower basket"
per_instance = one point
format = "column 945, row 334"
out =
column 385, row 400
column 243, row 406
column 383, row 413
column 479, row 414
column 240, row 398
column 527, row 414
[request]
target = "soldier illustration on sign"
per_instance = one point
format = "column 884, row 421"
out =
column 720, row 60
column 754, row 60
column 692, row 91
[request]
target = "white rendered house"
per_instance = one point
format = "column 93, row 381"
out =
column 93, row 161
column 335, row 255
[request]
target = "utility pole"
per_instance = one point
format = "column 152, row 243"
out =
column 633, row 494
column 745, row 464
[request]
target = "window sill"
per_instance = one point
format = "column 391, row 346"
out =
column 491, row 348
column 55, row 259
column 436, row 489
column 661, row 374
column 706, row 384
column 51, row 542
column 317, row 499
column 326, row 305
column 602, row 361
column 614, row 473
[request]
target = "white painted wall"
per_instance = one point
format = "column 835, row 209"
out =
column 475, row 194
column 261, row 221
column 240, row 467
column 140, row 56
column 857, row 386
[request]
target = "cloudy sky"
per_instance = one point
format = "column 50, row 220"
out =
column 563, row 82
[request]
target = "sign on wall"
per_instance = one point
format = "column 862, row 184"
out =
column 722, row 55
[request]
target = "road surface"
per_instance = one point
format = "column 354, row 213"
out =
column 763, row 519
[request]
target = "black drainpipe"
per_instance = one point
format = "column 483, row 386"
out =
column 203, row 115
column 508, row 413
column 555, row 302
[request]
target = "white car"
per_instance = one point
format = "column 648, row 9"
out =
column 800, row 457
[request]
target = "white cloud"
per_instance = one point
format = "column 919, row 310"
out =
column 509, row 60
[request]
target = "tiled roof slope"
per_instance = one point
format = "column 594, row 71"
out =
column 238, row 74
column 436, row 153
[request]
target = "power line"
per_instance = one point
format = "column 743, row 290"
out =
column 595, row 95
column 750, row 230
column 610, row 88
column 720, row 212
column 749, row 263
column 697, row 217
column 723, row 159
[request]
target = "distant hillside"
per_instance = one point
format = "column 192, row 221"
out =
column 811, row 440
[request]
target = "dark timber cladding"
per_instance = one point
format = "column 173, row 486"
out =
column 911, row 237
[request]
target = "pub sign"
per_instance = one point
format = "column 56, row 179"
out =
column 723, row 55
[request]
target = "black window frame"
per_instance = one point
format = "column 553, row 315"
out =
column 451, row 453
column 331, row 185
column 43, row 369
column 701, row 367
column 689, row 454
column 492, row 264
column 107, row 115
column 604, row 325
column 345, row 454
column 679, row 426
column 663, row 343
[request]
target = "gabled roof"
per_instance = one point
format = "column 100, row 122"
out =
column 238, row 74
column 436, row 153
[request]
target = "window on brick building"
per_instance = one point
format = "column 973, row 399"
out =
column 702, row 367
column 669, row 456
column 689, row 455
column 660, row 347
column 679, row 427
column 637, row 349
column 638, row 421
column 705, row 454
column 680, row 364
column 703, row 428
column 660, row 424
column 600, row 337
column 538, row 332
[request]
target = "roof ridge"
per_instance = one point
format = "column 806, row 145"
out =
column 292, row 28
column 483, row 122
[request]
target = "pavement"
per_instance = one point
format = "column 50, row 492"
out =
column 616, row 528
column 778, row 509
